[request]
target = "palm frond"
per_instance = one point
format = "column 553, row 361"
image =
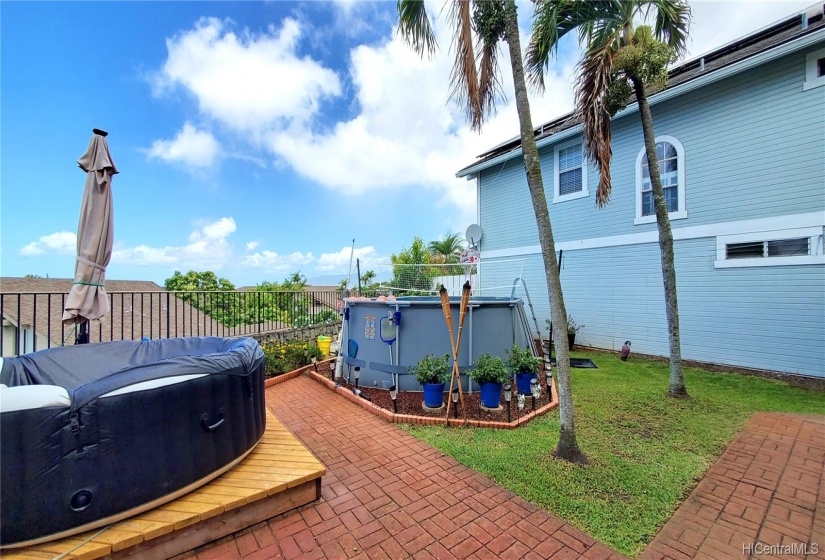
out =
column 552, row 20
column 489, row 83
column 594, row 78
column 672, row 23
column 463, row 77
column 414, row 26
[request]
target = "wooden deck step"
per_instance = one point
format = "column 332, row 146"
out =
column 280, row 474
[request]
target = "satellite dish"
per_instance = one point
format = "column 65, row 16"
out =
column 473, row 235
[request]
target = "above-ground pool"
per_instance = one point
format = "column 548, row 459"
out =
column 492, row 324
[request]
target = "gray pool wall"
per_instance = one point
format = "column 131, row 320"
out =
column 492, row 325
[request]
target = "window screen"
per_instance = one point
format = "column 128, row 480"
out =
column 570, row 170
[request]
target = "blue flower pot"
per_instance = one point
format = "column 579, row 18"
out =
column 434, row 395
column 490, row 394
column 523, row 382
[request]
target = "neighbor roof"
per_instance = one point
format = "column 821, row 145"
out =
column 138, row 309
column 781, row 32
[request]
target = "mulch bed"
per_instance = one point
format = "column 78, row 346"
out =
column 410, row 402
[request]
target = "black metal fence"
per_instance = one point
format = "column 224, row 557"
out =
column 33, row 321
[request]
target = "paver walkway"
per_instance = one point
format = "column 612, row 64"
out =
column 389, row 495
column 764, row 497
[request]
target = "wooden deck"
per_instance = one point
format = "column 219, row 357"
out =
column 280, row 474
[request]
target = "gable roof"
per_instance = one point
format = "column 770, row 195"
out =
column 788, row 30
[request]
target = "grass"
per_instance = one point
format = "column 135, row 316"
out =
column 646, row 451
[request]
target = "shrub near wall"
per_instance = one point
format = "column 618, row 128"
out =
column 287, row 356
column 299, row 334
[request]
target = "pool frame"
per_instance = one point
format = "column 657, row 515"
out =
column 492, row 324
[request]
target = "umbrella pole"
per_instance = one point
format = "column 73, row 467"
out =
column 83, row 333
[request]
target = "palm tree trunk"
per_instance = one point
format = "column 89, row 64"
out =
column 568, row 447
column 676, row 386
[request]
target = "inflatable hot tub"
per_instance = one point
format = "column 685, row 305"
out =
column 94, row 433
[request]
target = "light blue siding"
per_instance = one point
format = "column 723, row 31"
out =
column 754, row 148
column 767, row 318
column 506, row 211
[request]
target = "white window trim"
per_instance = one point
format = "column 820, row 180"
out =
column 814, row 233
column 680, row 162
column 572, row 196
column 811, row 79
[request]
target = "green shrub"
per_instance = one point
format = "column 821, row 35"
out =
column 522, row 360
column 432, row 369
column 489, row 370
column 283, row 357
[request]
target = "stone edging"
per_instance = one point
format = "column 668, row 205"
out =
column 407, row 418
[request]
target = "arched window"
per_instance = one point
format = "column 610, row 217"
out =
column 671, row 156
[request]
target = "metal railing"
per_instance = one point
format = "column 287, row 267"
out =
column 33, row 320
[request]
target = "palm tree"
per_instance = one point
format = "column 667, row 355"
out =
column 476, row 90
column 620, row 62
column 368, row 277
column 447, row 250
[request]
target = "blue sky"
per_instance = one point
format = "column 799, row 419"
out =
column 253, row 139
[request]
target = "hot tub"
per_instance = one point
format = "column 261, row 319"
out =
column 94, row 433
column 492, row 324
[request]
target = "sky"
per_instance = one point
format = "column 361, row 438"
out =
column 254, row 139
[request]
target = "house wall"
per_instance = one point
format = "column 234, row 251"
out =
column 754, row 152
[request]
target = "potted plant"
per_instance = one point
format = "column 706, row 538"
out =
column 525, row 365
column 490, row 373
column 572, row 328
column 432, row 372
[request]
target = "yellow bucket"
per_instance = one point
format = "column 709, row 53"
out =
column 323, row 344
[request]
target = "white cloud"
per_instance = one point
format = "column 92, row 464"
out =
column 340, row 261
column 404, row 133
column 219, row 229
column 190, row 147
column 208, row 249
column 145, row 255
column 63, row 242
column 270, row 261
column 247, row 81
column 407, row 133
column 251, row 246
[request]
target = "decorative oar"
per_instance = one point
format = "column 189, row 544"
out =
column 465, row 304
column 448, row 317
column 455, row 343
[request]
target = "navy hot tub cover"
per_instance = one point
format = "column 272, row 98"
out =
column 123, row 425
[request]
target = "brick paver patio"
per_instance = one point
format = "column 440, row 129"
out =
column 766, row 489
column 388, row 495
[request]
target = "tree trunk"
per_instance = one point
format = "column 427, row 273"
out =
column 568, row 447
column 676, row 386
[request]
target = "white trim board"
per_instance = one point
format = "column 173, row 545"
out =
column 735, row 68
column 775, row 223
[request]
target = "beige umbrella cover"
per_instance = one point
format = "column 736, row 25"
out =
column 95, row 234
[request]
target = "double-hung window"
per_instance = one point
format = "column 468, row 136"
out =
column 571, row 172
column 671, row 158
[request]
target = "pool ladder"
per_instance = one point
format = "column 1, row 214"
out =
column 532, row 309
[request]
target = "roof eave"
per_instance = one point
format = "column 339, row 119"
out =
column 767, row 55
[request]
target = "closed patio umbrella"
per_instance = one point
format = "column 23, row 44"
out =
column 95, row 232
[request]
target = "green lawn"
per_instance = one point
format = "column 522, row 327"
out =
column 646, row 451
